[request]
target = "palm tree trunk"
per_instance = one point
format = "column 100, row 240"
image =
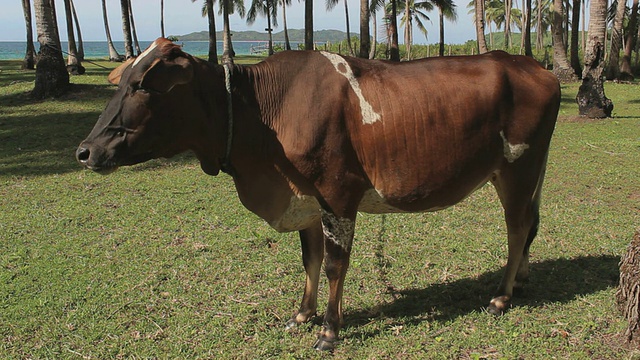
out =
column 365, row 33
column 539, row 38
column 394, row 51
column 287, row 43
column 480, row 23
column 346, row 14
column 527, row 29
column 126, row 29
column 213, row 43
column 308, row 24
column 575, row 20
column 29, row 58
column 507, row 23
column 561, row 67
column 625, row 67
column 407, row 29
column 372, row 50
column 441, row 21
column 133, row 30
column 269, row 29
column 592, row 101
column 162, row 18
column 74, row 66
column 79, row 43
column 613, row 71
column 227, row 46
column 113, row 53
column 52, row 78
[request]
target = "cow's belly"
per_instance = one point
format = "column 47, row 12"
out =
column 304, row 210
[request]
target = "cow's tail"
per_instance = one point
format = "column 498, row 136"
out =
column 535, row 204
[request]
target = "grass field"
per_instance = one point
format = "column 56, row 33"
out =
column 161, row 260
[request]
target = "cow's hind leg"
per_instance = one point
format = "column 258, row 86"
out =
column 519, row 189
column 312, row 241
column 338, row 235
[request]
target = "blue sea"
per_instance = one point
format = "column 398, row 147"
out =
column 15, row 50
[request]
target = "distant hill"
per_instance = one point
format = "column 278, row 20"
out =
column 294, row 35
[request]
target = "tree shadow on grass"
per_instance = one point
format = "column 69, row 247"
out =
column 552, row 281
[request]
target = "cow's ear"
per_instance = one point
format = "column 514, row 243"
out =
column 163, row 75
column 114, row 76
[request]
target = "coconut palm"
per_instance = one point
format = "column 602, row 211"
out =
column 543, row 19
column 79, row 43
column 162, row 18
column 625, row 67
column 207, row 11
column 411, row 12
column 365, row 40
column 74, row 65
column 52, row 78
column 308, row 24
column 269, row 10
column 285, row 4
column 113, row 53
column 29, row 58
column 477, row 9
column 446, row 9
column 618, row 7
column 592, row 101
column 228, row 7
column 134, row 33
column 575, row 20
column 561, row 67
column 126, row 28
column 330, row 4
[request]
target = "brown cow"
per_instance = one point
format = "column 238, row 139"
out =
column 311, row 138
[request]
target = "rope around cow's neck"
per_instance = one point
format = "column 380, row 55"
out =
column 226, row 165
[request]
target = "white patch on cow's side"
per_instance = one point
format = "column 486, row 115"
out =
column 300, row 214
column 144, row 53
column 369, row 116
column 338, row 230
column 512, row 152
column 374, row 203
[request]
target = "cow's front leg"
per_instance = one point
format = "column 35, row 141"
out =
column 312, row 241
column 338, row 236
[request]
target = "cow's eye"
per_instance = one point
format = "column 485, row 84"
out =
column 137, row 89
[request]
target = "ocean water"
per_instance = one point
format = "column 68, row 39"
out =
column 15, row 50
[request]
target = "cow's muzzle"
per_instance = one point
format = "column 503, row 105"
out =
column 84, row 157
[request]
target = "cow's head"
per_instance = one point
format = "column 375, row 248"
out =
column 150, row 115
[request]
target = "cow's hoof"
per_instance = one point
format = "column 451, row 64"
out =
column 323, row 344
column 498, row 305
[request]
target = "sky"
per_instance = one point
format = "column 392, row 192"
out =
column 183, row 17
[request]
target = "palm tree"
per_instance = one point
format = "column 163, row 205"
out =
column 267, row 9
column 446, row 9
column 284, row 4
column 561, row 67
column 592, row 101
column 575, row 20
column 162, row 18
column 126, row 28
column 207, row 10
column 392, row 18
column 29, row 58
column 543, row 20
column 613, row 71
column 365, row 40
column 228, row 7
column 413, row 11
column 330, row 4
column 308, row 24
column 479, row 20
column 74, row 65
column 79, row 43
column 52, row 78
column 625, row 67
column 113, row 53
column 133, row 29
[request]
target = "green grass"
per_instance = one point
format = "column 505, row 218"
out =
column 161, row 260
